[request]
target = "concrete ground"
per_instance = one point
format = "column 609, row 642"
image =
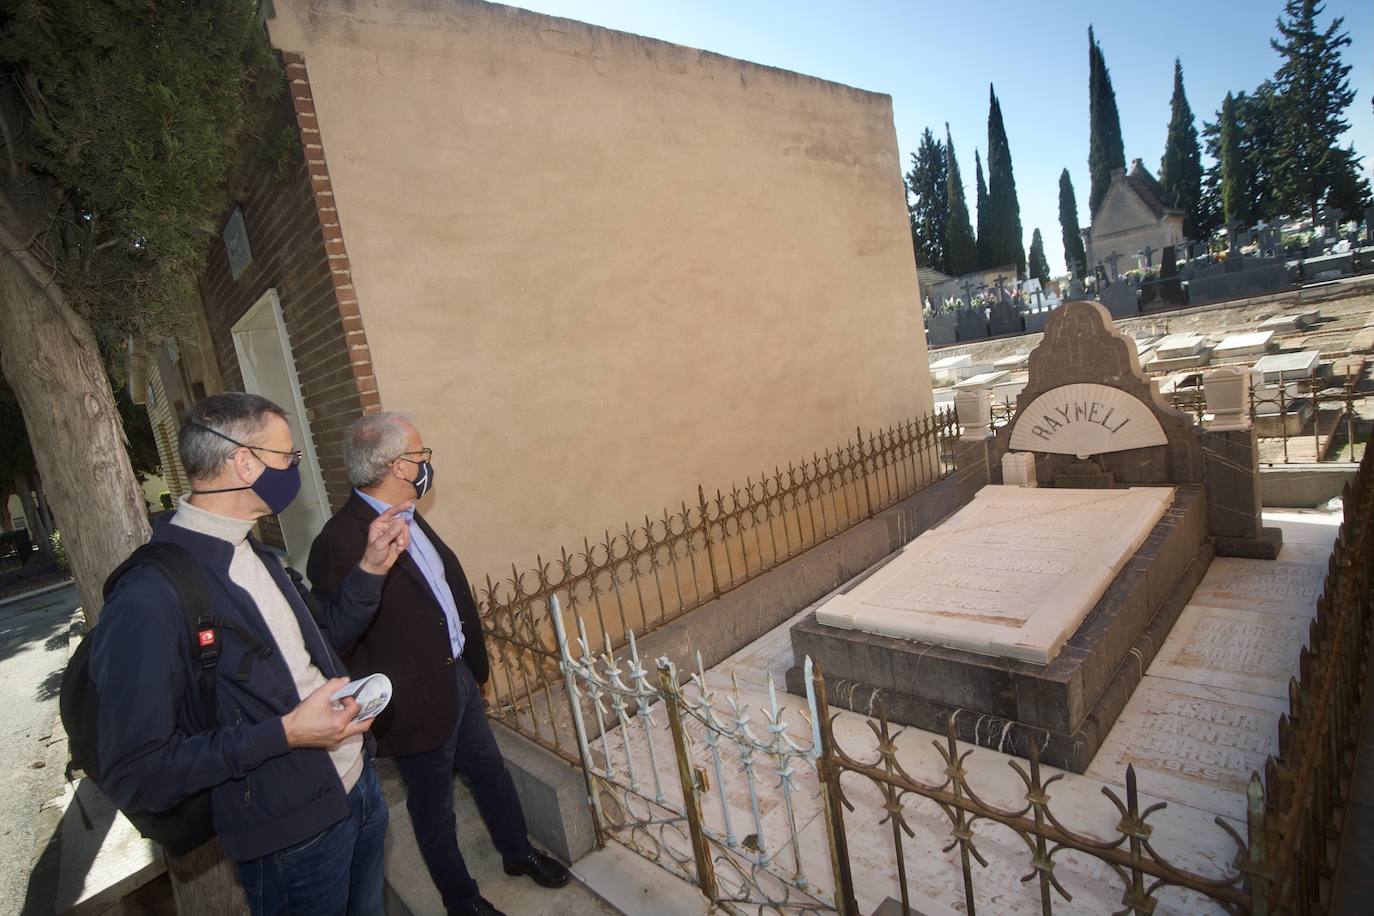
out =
column 410, row 892
column 33, row 654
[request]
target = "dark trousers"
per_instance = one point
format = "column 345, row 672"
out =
column 470, row 751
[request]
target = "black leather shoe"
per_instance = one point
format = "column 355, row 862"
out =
column 479, row 907
column 546, row 871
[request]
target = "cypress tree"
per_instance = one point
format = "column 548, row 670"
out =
column 929, row 207
column 1231, row 165
column 1105, row 150
column 961, row 250
column 1038, row 266
column 1005, row 212
column 984, row 233
column 1313, row 92
column 1180, row 170
column 1253, row 136
column 1075, row 258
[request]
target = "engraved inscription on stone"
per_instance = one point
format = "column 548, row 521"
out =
column 1273, row 580
column 1252, row 649
column 1010, row 574
column 1207, row 741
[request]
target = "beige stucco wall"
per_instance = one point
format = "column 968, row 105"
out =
column 1124, row 224
column 602, row 269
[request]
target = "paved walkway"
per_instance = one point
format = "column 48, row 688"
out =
column 33, row 655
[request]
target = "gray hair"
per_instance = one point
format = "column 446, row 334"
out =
column 372, row 444
column 233, row 415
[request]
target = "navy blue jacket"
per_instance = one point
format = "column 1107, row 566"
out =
column 155, row 746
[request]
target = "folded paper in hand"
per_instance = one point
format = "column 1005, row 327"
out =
column 371, row 693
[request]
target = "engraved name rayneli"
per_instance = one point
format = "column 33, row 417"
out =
column 1094, row 412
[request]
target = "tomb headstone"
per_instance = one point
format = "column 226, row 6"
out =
column 971, row 324
column 1122, row 300
column 1004, row 318
column 1166, row 290
column 941, row 329
column 1180, row 351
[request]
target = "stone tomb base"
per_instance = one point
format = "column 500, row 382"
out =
column 1065, row 707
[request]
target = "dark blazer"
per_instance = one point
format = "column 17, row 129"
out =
column 408, row 639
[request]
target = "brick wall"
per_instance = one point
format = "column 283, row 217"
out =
column 298, row 250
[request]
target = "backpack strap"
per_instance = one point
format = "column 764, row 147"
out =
column 186, row 577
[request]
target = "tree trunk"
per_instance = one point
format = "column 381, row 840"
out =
column 205, row 882
column 49, row 357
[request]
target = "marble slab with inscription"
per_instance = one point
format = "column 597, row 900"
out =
column 1011, row 574
column 1240, row 650
column 1275, row 586
column 1192, row 743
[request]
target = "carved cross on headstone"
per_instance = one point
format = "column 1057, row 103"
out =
column 1001, row 281
column 968, row 288
column 1148, row 254
column 1075, row 268
column 1112, row 260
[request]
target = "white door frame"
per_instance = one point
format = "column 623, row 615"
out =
column 310, row 464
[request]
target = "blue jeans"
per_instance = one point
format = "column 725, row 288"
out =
column 337, row 872
column 470, row 751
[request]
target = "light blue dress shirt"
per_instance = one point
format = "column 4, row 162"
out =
column 431, row 566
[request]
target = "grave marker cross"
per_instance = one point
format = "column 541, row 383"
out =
column 1148, row 254
column 1112, row 260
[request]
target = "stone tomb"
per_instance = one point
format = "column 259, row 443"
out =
column 1285, row 367
column 966, row 582
column 1011, row 574
column 1251, row 343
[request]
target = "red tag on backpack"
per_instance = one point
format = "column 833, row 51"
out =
column 207, row 638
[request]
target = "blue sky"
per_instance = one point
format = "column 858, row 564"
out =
column 936, row 60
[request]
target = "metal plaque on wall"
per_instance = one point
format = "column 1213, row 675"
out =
column 236, row 244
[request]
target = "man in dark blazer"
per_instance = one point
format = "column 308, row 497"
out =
column 426, row 637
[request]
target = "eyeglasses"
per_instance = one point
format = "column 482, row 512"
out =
column 424, row 453
column 294, row 454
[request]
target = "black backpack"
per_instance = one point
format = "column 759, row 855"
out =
column 189, row 824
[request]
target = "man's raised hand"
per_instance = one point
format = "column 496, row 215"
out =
column 387, row 536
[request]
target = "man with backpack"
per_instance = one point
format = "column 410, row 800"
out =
column 234, row 713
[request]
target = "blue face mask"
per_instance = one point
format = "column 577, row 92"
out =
column 276, row 487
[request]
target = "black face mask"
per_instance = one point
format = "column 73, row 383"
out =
column 276, row 487
column 424, row 477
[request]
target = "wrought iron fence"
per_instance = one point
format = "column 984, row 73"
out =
column 774, row 838
column 1293, row 817
column 649, row 573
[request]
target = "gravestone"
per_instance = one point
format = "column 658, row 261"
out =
column 1164, row 291
column 1004, row 318
column 941, row 329
column 971, row 324
column 1121, row 299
